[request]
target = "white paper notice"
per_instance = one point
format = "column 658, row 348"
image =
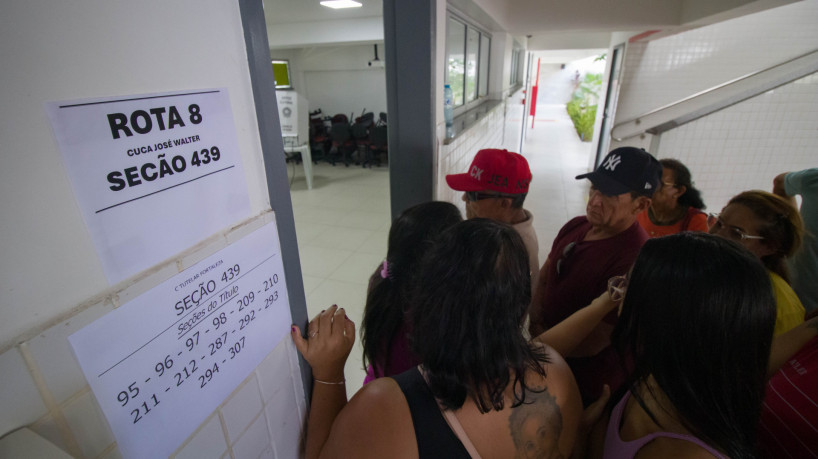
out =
column 160, row 364
column 153, row 174
column 287, row 112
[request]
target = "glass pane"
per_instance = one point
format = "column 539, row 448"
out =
column 511, row 75
column 455, row 59
column 281, row 73
column 483, row 76
column 472, row 48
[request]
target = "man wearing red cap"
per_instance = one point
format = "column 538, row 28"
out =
column 495, row 187
column 588, row 251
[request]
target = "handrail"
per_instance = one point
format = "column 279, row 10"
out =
column 670, row 122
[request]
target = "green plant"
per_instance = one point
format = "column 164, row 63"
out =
column 582, row 106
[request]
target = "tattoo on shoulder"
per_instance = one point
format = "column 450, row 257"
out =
column 536, row 426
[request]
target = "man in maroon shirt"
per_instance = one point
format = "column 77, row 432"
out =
column 587, row 252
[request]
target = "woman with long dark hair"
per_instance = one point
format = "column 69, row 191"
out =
column 771, row 228
column 696, row 326
column 384, row 330
column 481, row 388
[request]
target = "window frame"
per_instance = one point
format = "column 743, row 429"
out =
column 482, row 71
column 286, row 63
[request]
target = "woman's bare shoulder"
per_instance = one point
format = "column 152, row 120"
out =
column 375, row 423
column 557, row 370
column 557, row 397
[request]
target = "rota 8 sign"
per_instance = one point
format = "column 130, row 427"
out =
column 153, row 174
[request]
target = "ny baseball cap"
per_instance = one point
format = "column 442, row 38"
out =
column 626, row 169
column 496, row 170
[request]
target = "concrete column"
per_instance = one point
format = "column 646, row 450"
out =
column 411, row 59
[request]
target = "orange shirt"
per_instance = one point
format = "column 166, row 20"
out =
column 697, row 221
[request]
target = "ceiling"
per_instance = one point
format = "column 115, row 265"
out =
column 289, row 11
column 542, row 21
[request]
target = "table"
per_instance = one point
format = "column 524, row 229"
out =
column 306, row 160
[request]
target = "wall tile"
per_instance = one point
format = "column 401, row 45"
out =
column 248, row 227
column 148, row 282
column 88, row 424
column 268, row 453
column 668, row 69
column 54, row 355
column 207, row 442
column 286, row 424
column 242, row 407
column 741, row 155
column 456, row 157
column 213, row 245
column 296, row 380
column 20, row 402
column 114, row 453
column 46, row 427
column 270, row 376
column 254, row 441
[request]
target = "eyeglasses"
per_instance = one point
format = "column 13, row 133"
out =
column 566, row 252
column 672, row 185
column 716, row 225
column 617, row 286
column 479, row 195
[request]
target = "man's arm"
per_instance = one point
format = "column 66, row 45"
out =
column 595, row 342
column 780, row 188
column 567, row 336
column 535, row 310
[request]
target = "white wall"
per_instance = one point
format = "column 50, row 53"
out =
column 336, row 79
column 494, row 130
column 745, row 146
column 51, row 281
column 323, row 33
column 671, row 68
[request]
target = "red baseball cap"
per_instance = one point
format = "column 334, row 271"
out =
column 495, row 170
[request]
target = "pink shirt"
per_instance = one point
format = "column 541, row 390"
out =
column 401, row 357
column 616, row 448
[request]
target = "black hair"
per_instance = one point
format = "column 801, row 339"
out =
column 386, row 301
column 471, row 294
column 517, row 200
column 692, row 197
column 698, row 317
column 781, row 227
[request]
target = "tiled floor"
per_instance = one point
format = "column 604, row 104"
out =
column 342, row 226
column 343, row 222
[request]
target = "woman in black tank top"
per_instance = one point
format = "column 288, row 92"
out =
column 481, row 389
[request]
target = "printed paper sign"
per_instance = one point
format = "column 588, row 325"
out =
column 162, row 363
column 153, row 174
column 288, row 112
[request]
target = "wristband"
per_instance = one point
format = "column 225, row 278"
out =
column 340, row 383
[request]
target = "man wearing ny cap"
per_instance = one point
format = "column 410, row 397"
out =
column 495, row 187
column 587, row 252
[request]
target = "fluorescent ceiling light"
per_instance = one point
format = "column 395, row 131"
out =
column 341, row 4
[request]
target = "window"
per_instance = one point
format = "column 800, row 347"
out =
column 485, row 47
column 456, row 59
column 281, row 73
column 517, row 64
column 472, row 48
column 467, row 62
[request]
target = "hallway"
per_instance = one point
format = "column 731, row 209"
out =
column 556, row 156
column 342, row 224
